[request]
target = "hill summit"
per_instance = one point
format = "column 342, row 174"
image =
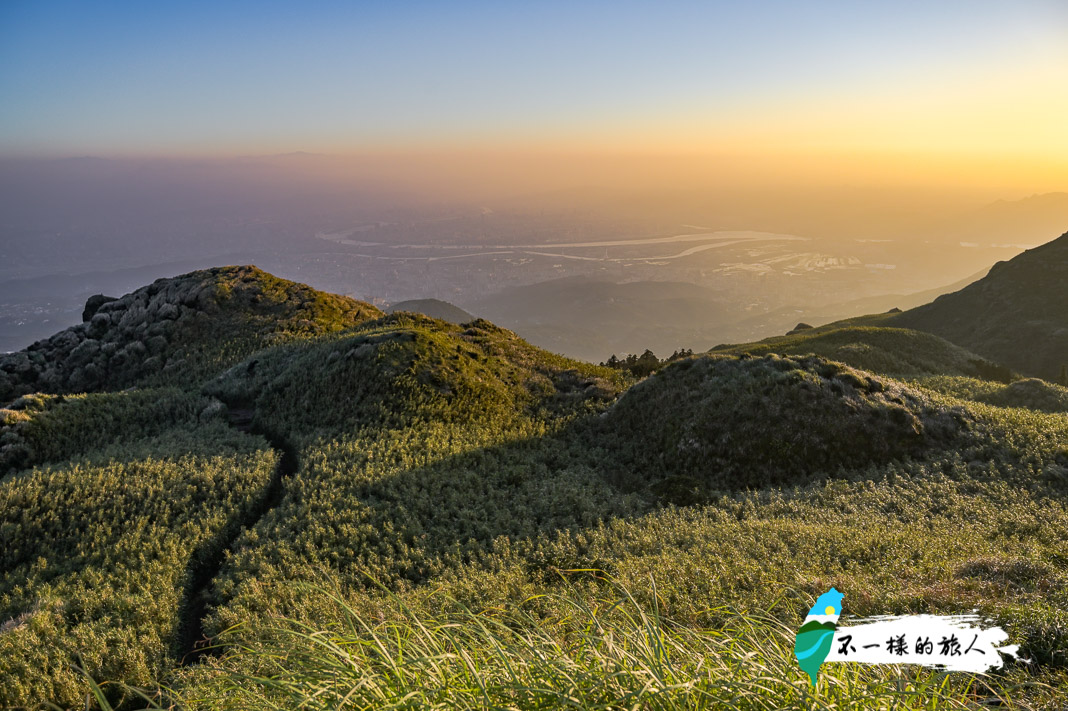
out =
column 176, row 328
column 729, row 422
column 434, row 308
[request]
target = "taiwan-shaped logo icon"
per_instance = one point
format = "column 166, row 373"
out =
column 816, row 637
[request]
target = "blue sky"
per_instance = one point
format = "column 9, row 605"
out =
column 239, row 77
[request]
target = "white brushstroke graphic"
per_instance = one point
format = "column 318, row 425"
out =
column 950, row 642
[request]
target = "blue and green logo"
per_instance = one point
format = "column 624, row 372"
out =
column 948, row 642
column 816, row 636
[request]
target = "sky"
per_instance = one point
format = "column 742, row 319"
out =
column 954, row 90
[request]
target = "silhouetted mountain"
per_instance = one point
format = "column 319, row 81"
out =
column 434, row 308
column 1017, row 314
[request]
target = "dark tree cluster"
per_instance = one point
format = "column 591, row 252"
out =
column 645, row 364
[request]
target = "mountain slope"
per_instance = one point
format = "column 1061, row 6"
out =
column 1017, row 314
column 174, row 329
column 434, row 308
column 781, row 319
column 103, row 539
column 869, row 345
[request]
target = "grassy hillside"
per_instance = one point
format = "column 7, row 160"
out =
column 396, row 511
column 721, row 423
column 864, row 343
column 101, row 549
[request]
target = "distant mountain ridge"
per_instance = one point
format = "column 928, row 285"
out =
column 1017, row 314
column 1003, row 220
column 434, row 308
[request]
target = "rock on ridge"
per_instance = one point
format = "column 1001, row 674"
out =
column 200, row 316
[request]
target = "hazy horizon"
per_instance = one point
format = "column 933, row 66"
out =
column 958, row 94
column 456, row 152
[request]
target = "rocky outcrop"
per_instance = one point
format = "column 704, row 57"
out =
column 93, row 304
column 170, row 324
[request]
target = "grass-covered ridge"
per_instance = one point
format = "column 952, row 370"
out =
column 39, row 428
column 405, row 369
column 445, row 478
column 175, row 330
column 1031, row 393
column 865, row 344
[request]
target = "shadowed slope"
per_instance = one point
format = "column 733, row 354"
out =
column 1017, row 314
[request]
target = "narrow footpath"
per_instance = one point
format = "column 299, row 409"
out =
column 207, row 561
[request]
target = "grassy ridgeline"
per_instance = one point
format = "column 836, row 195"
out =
column 896, row 352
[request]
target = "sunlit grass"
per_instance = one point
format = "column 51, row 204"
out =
column 458, row 466
column 601, row 652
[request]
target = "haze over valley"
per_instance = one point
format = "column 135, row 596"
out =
column 703, row 266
